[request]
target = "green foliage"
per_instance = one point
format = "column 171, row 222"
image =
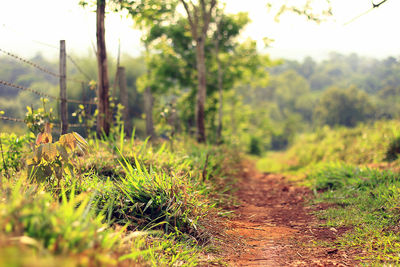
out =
column 12, row 147
column 364, row 144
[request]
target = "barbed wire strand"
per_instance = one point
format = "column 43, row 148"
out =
column 38, row 66
column 5, row 118
column 29, row 63
column 22, row 88
column 81, row 102
column 72, row 125
column 54, row 47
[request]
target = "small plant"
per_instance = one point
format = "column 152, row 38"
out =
column 36, row 119
column 85, row 118
column 54, row 158
column 11, row 147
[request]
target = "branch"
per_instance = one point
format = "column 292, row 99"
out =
column 377, row 5
column 190, row 18
column 203, row 8
column 366, row 12
column 207, row 15
column 196, row 20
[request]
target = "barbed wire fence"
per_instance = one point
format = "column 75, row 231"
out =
column 61, row 100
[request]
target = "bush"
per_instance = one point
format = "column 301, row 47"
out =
column 393, row 150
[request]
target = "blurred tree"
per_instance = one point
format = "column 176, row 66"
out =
column 146, row 14
column 343, row 107
column 236, row 62
column 199, row 16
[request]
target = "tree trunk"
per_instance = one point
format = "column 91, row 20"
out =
column 199, row 18
column 148, row 107
column 219, row 127
column 220, row 112
column 104, row 116
column 202, row 90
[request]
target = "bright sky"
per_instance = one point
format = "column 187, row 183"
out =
column 26, row 27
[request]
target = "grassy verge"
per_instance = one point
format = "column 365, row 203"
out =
column 366, row 201
column 366, row 144
column 355, row 174
column 125, row 202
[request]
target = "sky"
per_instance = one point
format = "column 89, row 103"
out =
column 28, row 27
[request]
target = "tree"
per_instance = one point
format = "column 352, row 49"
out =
column 232, row 62
column 220, row 74
column 199, row 17
column 227, row 28
column 146, row 14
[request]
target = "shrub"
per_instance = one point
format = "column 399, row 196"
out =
column 255, row 144
column 393, row 150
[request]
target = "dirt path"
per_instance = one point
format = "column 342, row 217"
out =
column 274, row 228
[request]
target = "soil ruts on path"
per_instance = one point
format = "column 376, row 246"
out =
column 273, row 227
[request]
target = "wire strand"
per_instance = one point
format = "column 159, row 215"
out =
column 5, row 118
column 22, row 88
column 29, row 63
column 57, row 75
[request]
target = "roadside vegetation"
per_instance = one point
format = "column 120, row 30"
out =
column 354, row 173
column 122, row 201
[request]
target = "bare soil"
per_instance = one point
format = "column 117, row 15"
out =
column 274, row 227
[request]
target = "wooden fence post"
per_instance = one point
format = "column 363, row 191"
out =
column 63, row 88
column 123, row 96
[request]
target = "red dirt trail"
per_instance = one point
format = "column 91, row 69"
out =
column 273, row 227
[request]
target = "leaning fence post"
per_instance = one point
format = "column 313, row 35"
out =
column 63, row 88
column 85, row 108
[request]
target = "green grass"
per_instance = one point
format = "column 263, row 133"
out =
column 364, row 144
column 366, row 201
column 127, row 202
